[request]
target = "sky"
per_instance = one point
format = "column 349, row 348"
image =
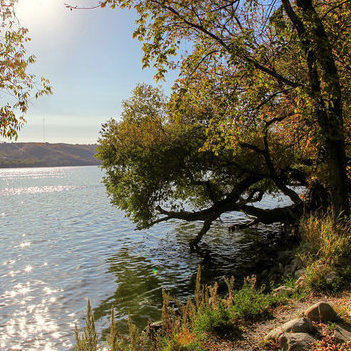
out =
column 92, row 62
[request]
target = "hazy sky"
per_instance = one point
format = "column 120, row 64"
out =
column 92, row 62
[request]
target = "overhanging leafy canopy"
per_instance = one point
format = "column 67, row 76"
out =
column 17, row 86
column 155, row 170
column 266, row 84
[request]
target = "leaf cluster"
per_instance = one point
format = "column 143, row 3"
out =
column 152, row 158
column 17, row 85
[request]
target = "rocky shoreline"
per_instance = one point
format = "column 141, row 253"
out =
column 304, row 332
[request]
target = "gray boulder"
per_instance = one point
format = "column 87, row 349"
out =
column 342, row 332
column 296, row 341
column 321, row 312
column 299, row 325
column 283, row 290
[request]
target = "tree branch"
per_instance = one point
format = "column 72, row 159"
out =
column 228, row 48
column 274, row 175
column 205, row 228
column 288, row 214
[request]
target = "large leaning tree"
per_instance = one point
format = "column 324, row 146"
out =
column 17, row 85
column 261, row 105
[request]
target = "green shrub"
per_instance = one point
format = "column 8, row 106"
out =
column 251, row 303
column 88, row 341
column 212, row 320
column 317, row 278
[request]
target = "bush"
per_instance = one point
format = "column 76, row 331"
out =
column 212, row 320
column 247, row 303
column 250, row 303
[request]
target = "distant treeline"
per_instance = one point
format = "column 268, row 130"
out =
column 46, row 155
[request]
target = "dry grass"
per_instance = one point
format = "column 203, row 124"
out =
column 324, row 243
column 326, row 239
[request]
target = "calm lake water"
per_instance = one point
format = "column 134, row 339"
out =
column 61, row 242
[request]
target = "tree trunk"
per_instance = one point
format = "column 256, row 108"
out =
column 337, row 176
column 325, row 90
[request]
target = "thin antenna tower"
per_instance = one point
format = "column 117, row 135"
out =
column 44, row 129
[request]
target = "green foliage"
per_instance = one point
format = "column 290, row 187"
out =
column 185, row 327
column 250, row 303
column 212, row 320
column 324, row 239
column 317, row 278
column 243, row 120
column 136, row 339
column 213, row 314
column 17, row 86
column 152, row 158
column 176, row 343
column 264, row 77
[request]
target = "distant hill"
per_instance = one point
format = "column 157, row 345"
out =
column 46, row 155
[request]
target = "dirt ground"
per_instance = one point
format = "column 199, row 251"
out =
column 250, row 336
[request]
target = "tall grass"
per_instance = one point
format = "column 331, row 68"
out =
column 325, row 238
column 87, row 341
column 325, row 242
column 185, row 326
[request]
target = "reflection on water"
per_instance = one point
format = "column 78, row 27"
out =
column 138, row 289
column 141, row 273
column 61, row 243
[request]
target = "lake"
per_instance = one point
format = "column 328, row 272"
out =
column 61, row 242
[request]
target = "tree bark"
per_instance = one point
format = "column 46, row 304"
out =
column 328, row 100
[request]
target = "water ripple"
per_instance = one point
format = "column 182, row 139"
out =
column 36, row 190
column 61, row 242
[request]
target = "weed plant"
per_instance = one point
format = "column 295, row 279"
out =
column 185, row 327
column 87, row 341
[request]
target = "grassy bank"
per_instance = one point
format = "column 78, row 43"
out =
column 208, row 320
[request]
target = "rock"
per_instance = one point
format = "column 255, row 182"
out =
column 284, row 255
column 331, row 277
column 296, row 264
column 342, row 332
column 321, row 312
column 153, row 328
column 296, row 341
column 283, row 290
column 155, row 325
column 299, row 325
column 293, row 266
